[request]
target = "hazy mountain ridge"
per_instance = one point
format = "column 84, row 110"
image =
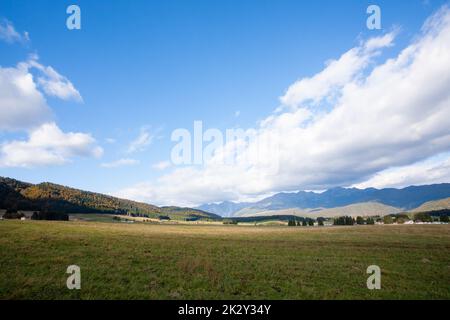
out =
column 403, row 199
column 358, row 209
column 224, row 209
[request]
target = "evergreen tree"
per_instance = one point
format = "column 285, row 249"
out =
column 423, row 217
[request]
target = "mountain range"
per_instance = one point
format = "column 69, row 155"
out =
column 388, row 200
column 15, row 194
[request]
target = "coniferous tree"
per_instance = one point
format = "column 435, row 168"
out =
column 423, row 217
column 359, row 220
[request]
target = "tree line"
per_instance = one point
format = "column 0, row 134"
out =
column 305, row 222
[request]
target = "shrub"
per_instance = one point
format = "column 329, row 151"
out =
column 401, row 218
column 230, row 222
column 50, row 216
column 388, row 220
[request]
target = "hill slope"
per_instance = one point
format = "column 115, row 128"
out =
column 434, row 205
column 52, row 197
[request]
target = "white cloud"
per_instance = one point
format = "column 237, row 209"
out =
column 338, row 73
column 52, row 82
column 429, row 171
column 120, row 163
column 47, row 145
column 9, row 34
column 162, row 165
column 22, row 105
column 394, row 114
column 23, row 108
column 144, row 139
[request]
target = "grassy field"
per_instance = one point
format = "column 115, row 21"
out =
column 139, row 261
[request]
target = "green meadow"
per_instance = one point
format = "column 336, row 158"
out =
column 149, row 261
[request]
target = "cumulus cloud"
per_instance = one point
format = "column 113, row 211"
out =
column 23, row 108
column 47, row 145
column 53, row 83
column 144, row 139
column 337, row 73
column 393, row 113
column 120, row 163
column 9, row 34
column 22, row 105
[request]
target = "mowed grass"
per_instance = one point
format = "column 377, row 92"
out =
column 138, row 261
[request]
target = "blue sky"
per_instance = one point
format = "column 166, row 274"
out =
column 149, row 67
